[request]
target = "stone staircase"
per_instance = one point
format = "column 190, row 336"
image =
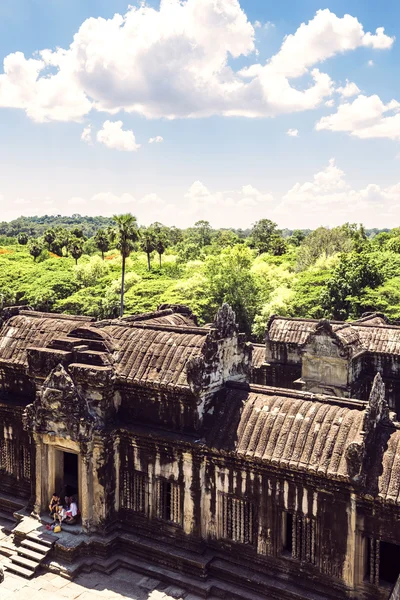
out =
column 30, row 554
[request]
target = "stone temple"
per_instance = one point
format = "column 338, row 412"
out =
column 252, row 471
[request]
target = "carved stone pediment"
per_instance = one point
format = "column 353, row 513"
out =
column 59, row 409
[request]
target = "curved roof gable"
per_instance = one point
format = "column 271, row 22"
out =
column 370, row 334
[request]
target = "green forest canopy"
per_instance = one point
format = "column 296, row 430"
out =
column 73, row 265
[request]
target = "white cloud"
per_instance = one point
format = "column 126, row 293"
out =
column 87, row 135
column 330, row 103
column 113, row 136
column 321, row 38
column 156, row 140
column 267, row 25
column 25, row 84
column 365, row 117
column 329, row 200
column 371, row 63
column 244, row 205
column 349, row 90
column 292, row 132
column 174, row 62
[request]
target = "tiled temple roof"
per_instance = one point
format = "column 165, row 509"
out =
column 370, row 334
column 167, row 314
column 34, row 329
column 389, row 473
column 154, row 355
column 147, row 351
column 289, row 429
column 258, row 355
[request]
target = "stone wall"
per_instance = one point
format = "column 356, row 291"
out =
column 17, row 457
column 243, row 509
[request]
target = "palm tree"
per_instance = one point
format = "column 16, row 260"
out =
column 148, row 242
column 49, row 237
column 23, row 238
column 35, row 249
column 76, row 248
column 102, row 241
column 161, row 238
column 126, row 234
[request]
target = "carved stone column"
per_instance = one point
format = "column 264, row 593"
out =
column 86, row 491
column 38, row 471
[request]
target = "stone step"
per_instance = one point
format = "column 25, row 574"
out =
column 25, row 562
column 9, row 566
column 35, row 546
column 30, row 554
column 41, row 538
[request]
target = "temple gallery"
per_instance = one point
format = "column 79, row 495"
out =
column 259, row 470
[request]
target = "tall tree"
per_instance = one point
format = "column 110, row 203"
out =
column 229, row 279
column 102, row 241
column 262, row 234
column 148, row 242
column 161, row 237
column 204, row 232
column 126, row 234
column 49, row 237
column 76, row 248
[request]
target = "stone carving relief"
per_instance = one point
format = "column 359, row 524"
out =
column 59, row 409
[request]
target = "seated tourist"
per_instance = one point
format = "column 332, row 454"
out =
column 61, row 514
column 54, row 502
column 72, row 513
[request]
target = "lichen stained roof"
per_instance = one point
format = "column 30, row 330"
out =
column 167, row 314
column 34, row 329
column 371, row 334
column 141, row 352
column 154, row 356
column 288, row 430
column 389, row 477
column 258, row 356
column 290, row 331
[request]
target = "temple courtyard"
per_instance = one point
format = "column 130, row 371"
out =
column 121, row 585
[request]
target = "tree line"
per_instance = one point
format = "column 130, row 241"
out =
column 337, row 272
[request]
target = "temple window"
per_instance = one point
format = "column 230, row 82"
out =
column 383, row 562
column 298, row 536
column 134, row 491
column 7, row 456
column 169, row 504
column 237, row 519
column 26, row 462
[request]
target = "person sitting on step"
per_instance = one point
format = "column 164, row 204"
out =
column 54, row 502
column 61, row 514
column 72, row 512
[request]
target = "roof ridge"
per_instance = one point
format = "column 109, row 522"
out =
column 153, row 326
column 59, row 316
column 299, row 395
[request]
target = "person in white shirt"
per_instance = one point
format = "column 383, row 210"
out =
column 72, row 511
column 61, row 514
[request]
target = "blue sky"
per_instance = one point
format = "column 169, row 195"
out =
column 245, row 122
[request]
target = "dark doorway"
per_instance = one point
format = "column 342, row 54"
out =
column 70, row 474
column 389, row 563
